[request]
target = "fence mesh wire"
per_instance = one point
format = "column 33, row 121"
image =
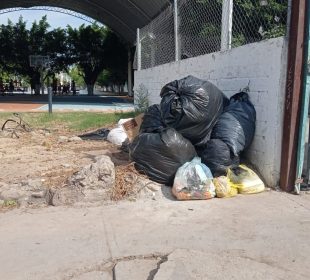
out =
column 157, row 40
column 200, row 28
column 254, row 21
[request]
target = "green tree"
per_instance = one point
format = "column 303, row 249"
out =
column 96, row 48
column 104, row 79
column 76, row 75
column 18, row 43
column 116, row 53
column 86, row 50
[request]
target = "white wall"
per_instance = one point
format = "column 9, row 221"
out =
column 264, row 65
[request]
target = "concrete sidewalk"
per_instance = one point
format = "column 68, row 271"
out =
column 263, row 236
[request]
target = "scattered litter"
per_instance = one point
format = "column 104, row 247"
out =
column 15, row 125
column 118, row 135
column 245, row 180
column 100, row 134
column 193, row 180
column 132, row 127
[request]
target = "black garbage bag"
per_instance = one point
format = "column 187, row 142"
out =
column 218, row 157
column 191, row 106
column 159, row 155
column 152, row 120
column 236, row 126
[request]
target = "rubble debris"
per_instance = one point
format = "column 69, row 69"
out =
column 63, row 139
column 29, row 192
column 94, row 180
column 128, row 182
column 75, row 139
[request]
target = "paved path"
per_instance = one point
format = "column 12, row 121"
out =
column 263, row 236
column 30, row 103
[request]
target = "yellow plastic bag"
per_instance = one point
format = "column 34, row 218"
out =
column 245, row 180
column 223, row 188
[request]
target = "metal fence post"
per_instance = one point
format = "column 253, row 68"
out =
column 176, row 30
column 129, row 80
column 227, row 15
column 138, row 49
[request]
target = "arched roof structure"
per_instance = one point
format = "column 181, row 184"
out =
column 123, row 16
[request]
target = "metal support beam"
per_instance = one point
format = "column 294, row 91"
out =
column 138, row 50
column 227, row 15
column 176, row 31
column 293, row 95
column 129, row 82
column 52, row 9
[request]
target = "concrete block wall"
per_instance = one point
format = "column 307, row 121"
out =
column 263, row 66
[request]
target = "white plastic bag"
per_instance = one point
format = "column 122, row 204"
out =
column 118, row 135
column 193, row 180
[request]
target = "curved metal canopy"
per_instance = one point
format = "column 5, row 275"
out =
column 123, row 16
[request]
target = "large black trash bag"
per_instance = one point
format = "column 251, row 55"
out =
column 236, row 126
column 152, row 120
column 218, row 157
column 191, row 106
column 159, row 155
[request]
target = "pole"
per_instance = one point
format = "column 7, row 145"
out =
column 304, row 106
column 50, row 96
column 227, row 15
column 129, row 82
column 176, row 30
column 41, row 80
column 138, row 50
column 292, row 106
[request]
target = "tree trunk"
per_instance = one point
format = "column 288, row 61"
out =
column 90, row 89
column 37, row 89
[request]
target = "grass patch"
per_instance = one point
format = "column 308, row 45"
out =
column 71, row 121
column 10, row 203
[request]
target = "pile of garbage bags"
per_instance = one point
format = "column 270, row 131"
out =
column 194, row 118
column 194, row 181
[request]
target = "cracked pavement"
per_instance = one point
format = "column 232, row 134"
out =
column 262, row 236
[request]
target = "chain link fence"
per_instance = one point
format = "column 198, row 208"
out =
column 197, row 27
column 157, row 40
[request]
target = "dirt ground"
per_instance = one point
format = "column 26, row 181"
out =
column 42, row 155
